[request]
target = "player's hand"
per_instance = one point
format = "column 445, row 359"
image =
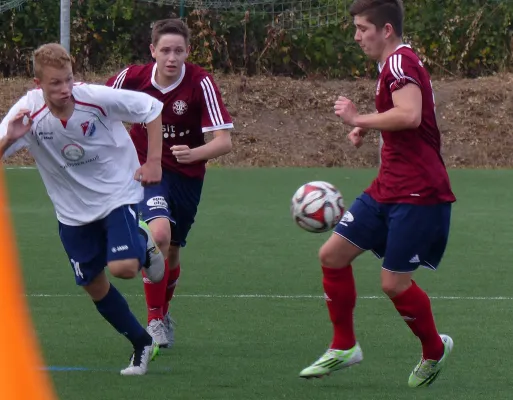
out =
column 346, row 110
column 150, row 173
column 356, row 136
column 183, row 154
column 20, row 125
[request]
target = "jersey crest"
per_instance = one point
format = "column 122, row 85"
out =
column 88, row 128
column 180, row 107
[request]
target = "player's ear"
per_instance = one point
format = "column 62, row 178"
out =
column 388, row 29
column 152, row 50
column 188, row 50
column 37, row 82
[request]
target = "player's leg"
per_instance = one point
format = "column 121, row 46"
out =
column 129, row 240
column 155, row 211
column 185, row 195
column 86, row 247
column 418, row 236
column 362, row 228
column 155, row 293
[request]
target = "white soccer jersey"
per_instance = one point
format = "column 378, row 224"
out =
column 88, row 162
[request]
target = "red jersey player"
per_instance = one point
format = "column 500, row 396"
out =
column 192, row 107
column 404, row 216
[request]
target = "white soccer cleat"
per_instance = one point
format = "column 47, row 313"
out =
column 154, row 267
column 169, row 325
column 157, row 331
column 332, row 361
column 140, row 359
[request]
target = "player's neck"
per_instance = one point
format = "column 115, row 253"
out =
column 164, row 81
column 389, row 49
column 63, row 113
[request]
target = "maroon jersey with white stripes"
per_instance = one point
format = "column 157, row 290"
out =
column 412, row 169
column 192, row 106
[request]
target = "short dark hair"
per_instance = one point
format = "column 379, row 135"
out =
column 381, row 12
column 172, row 26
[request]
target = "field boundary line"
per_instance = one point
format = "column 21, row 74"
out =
column 19, row 167
column 280, row 296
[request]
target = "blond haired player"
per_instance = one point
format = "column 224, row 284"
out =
column 94, row 180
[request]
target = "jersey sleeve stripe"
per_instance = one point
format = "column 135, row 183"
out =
column 207, row 102
column 38, row 112
column 396, row 62
column 118, row 83
column 91, row 105
column 211, row 101
column 216, row 103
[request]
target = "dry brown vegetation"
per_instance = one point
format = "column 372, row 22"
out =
column 285, row 122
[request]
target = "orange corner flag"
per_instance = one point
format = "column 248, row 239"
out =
column 21, row 374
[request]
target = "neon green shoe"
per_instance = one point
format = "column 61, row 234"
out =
column 426, row 371
column 332, row 361
column 155, row 352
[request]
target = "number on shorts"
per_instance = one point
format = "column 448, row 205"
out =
column 76, row 267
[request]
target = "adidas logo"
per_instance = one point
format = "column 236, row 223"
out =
column 415, row 259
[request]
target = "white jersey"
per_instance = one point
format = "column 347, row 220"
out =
column 88, row 162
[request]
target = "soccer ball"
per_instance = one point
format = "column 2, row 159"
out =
column 317, row 206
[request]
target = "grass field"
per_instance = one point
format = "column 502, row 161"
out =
column 249, row 305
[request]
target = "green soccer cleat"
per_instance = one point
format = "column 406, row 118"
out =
column 332, row 361
column 426, row 371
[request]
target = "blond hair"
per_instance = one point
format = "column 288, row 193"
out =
column 50, row 54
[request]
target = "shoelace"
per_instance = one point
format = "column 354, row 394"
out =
column 425, row 369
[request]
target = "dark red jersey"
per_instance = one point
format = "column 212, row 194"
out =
column 192, row 106
column 412, row 169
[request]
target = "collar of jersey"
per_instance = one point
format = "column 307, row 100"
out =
column 165, row 90
column 380, row 67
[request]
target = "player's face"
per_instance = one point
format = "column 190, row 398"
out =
column 170, row 53
column 57, row 85
column 371, row 39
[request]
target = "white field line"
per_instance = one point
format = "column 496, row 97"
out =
column 20, row 168
column 283, row 296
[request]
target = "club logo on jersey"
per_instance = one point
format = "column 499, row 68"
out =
column 73, row 152
column 180, row 107
column 88, row 128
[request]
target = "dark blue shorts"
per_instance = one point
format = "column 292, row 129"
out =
column 91, row 247
column 406, row 236
column 176, row 198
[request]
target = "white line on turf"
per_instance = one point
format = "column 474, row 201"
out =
column 11, row 168
column 282, row 296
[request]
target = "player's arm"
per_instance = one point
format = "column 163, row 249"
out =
column 215, row 118
column 402, row 76
column 220, row 145
column 13, row 128
column 137, row 107
column 406, row 113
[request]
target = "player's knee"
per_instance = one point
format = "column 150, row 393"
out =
column 333, row 258
column 124, row 269
column 394, row 284
column 162, row 235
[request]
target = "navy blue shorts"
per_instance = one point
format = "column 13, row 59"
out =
column 406, row 236
column 91, row 247
column 176, row 198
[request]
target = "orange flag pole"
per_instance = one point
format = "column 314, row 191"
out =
column 21, row 371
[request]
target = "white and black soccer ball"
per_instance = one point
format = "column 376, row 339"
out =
column 317, row 206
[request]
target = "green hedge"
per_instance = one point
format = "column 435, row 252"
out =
column 454, row 37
